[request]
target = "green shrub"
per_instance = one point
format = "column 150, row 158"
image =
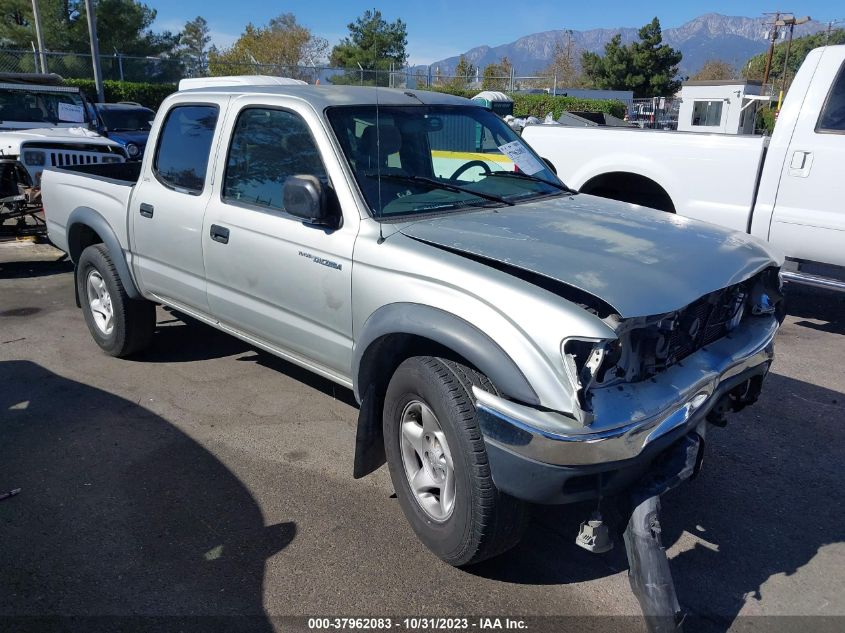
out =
column 540, row 105
column 149, row 95
column 766, row 121
column 453, row 90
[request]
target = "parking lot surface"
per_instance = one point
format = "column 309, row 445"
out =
column 205, row 477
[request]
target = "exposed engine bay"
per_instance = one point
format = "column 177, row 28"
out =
column 646, row 346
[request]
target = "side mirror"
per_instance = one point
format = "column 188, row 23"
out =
column 550, row 165
column 305, row 197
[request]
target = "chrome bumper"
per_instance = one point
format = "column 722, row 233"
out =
column 631, row 418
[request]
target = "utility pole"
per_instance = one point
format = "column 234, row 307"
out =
column 39, row 35
column 95, row 50
column 789, row 21
column 773, row 37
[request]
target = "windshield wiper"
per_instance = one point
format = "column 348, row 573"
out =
column 524, row 176
column 436, row 184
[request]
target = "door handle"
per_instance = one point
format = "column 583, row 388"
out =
column 800, row 164
column 147, row 210
column 219, row 234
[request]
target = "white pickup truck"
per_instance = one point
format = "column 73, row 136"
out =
column 787, row 189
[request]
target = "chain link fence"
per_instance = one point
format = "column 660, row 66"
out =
column 170, row 69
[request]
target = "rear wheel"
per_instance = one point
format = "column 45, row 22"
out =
column 120, row 325
column 438, row 463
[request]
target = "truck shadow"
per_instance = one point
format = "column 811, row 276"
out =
column 767, row 500
column 181, row 339
column 818, row 305
column 121, row 515
column 25, row 269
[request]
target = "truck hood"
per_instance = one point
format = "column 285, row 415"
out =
column 11, row 140
column 639, row 261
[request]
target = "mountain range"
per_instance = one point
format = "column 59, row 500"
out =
column 732, row 39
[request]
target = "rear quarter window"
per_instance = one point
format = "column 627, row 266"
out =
column 181, row 159
column 832, row 118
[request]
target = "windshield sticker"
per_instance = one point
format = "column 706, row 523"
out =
column 520, row 155
column 71, row 113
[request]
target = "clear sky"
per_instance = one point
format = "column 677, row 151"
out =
column 441, row 28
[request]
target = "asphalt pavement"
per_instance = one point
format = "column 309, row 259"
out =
column 207, row 478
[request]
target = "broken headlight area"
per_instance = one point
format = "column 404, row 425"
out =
column 583, row 359
column 646, row 346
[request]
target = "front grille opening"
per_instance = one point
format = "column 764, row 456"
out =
column 665, row 340
column 65, row 159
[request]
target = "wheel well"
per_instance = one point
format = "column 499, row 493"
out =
column 378, row 364
column 81, row 236
column 387, row 352
column 627, row 187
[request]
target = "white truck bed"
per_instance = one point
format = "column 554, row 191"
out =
column 691, row 167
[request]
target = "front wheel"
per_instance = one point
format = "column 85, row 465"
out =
column 120, row 325
column 438, row 463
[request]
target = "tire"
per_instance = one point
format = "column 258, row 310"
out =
column 471, row 521
column 101, row 293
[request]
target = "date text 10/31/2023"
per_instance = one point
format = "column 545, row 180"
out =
column 416, row 623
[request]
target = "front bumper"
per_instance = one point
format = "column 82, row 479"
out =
column 543, row 456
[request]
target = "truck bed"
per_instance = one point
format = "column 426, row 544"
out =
column 122, row 173
column 710, row 177
column 106, row 188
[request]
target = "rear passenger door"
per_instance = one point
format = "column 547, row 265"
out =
column 270, row 275
column 169, row 202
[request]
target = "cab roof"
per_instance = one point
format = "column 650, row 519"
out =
column 322, row 97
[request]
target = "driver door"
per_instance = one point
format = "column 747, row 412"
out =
column 278, row 280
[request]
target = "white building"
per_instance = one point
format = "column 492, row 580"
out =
column 722, row 107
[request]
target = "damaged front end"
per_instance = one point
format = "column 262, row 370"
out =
column 647, row 346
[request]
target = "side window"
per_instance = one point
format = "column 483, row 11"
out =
column 707, row 113
column 832, row 118
column 181, row 159
column 267, row 147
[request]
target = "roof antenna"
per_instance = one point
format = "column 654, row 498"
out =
column 378, row 166
column 378, row 149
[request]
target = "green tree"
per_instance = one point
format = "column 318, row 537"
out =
column 124, row 25
column 283, row 46
column 497, row 76
column 17, row 28
column 372, row 44
column 648, row 66
column 715, row 70
column 464, row 74
column 755, row 67
column 194, row 46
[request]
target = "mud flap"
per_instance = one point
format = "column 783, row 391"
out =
column 76, row 286
column 369, row 439
column 649, row 573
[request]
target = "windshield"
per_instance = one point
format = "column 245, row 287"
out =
column 28, row 105
column 428, row 159
column 127, row 119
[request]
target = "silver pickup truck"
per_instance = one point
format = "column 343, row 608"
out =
column 508, row 340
